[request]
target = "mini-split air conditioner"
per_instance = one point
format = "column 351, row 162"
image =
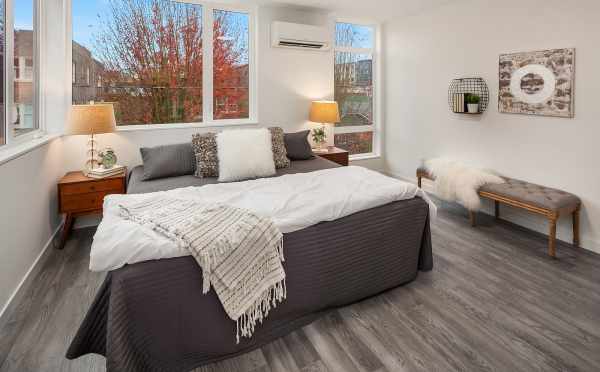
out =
column 299, row 36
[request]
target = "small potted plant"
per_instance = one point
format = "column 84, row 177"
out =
column 319, row 137
column 473, row 103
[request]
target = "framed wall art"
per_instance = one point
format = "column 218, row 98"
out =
column 538, row 83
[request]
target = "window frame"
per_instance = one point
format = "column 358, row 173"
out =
column 207, row 62
column 376, row 127
column 11, row 139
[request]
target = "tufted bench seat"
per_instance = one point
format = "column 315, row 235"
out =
column 551, row 203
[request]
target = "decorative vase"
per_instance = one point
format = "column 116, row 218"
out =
column 473, row 108
column 108, row 158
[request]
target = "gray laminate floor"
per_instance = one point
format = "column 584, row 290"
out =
column 494, row 301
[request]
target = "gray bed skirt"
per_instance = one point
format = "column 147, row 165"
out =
column 152, row 316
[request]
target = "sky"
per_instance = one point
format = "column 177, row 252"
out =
column 85, row 22
column 361, row 36
column 85, row 19
column 23, row 15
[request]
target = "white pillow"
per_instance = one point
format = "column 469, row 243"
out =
column 244, row 154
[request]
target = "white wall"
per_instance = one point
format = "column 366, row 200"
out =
column 465, row 38
column 29, row 212
column 28, row 198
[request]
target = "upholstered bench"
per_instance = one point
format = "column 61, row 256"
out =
column 548, row 202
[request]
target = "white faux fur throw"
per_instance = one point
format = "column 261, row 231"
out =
column 458, row 182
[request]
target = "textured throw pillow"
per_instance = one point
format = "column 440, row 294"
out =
column 297, row 146
column 279, row 152
column 207, row 160
column 245, row 154
column 168, row 161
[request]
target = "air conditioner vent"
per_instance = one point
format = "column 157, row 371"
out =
column 299, row 44
column 299, row 36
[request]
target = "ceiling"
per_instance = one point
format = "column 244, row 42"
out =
column 380, row 10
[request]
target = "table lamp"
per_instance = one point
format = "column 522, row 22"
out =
column 90, row 120
column 324, row 112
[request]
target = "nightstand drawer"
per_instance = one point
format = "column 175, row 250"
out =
column 96, row 186
column 85, row 202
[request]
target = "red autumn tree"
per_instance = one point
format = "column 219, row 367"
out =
column 153, row 60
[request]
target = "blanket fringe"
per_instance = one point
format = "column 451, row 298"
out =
column 247, row 322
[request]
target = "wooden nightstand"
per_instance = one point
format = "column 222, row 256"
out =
column 79, row 195
column 336, row 155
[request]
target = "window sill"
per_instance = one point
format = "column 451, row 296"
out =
column 364, row 157
column 10, row 152
column 224, row 123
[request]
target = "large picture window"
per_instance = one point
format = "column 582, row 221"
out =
column 18, row 50
column 354, row 88
column 147, row 57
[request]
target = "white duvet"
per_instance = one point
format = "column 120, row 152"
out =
column 293, row 202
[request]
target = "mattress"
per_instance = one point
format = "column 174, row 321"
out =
column 152, row 316
column 136, row 184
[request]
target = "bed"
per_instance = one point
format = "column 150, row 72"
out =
column 152, row 316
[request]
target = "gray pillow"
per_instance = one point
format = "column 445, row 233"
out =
column 297, row 146
column 168, row 161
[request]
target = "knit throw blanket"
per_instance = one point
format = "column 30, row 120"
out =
column 239, row 252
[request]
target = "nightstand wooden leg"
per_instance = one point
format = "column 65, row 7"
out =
column 66, row 229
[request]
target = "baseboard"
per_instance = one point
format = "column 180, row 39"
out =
column 523, row 219
column 27, row 280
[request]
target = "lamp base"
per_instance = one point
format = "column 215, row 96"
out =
column 90, row 153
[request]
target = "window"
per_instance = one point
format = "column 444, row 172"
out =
column 74, row 73
column 17, row 68
column 28, row 74
column 150, row 58
column 18, row 47
column 230, row 61
column 354, row 88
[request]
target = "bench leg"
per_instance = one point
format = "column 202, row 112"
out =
column 552, row 238
column 497, row 209
column 576, row 226
column 472, row 218
column 419, row 181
